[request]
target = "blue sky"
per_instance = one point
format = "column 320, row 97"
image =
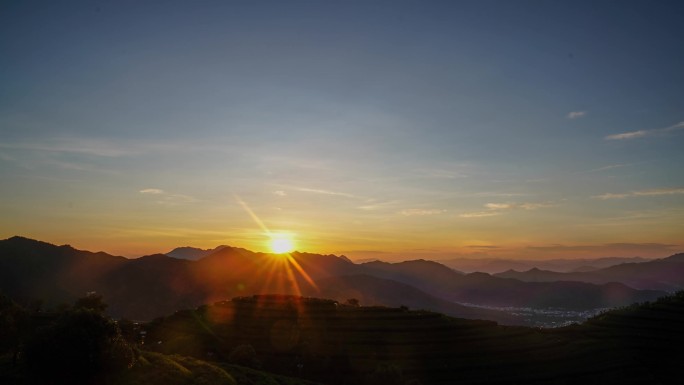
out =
column 412, row 128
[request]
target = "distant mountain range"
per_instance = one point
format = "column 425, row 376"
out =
column 192, row 253
column 492, row 265
column 155, row 285
column 660, row 274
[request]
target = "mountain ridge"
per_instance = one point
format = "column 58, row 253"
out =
column 158, row 284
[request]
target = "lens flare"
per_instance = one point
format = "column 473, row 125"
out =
column 281, row 245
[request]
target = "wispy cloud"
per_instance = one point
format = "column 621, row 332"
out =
column 499, row 194
column 644, row 133
column 482, row 247
column 280, row 193
column 509, row 206
column 421, row 212
column 151, row 191
column 83, row 146
column 608, row 167
column 166, row 198
column 325, row 192
column 498, row 208
column 611, row 196
column 652, row 192
column 661, row 191
column 479, row 214
column 372, row 204
column 576, row 114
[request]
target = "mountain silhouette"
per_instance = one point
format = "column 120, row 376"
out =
column 155, row 285
column 495, row 265
column 192, row 253
column 484, row 289
column 660, row 274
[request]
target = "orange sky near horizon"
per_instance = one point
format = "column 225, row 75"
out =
column 432, row 129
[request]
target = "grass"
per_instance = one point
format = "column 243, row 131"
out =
column 155, row 368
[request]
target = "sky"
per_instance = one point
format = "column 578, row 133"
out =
column 384, row 129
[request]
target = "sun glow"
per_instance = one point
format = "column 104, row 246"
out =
column 281, row 244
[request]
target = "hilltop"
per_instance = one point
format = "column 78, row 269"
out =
column 155, row 285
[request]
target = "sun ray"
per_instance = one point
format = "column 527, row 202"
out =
column 279, row 270
column 301, row 271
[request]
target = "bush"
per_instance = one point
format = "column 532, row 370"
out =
column 79, row 347
column 244, row 355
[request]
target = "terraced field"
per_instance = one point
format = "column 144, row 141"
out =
column 336, row 344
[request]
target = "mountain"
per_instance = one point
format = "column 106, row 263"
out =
column 485, row 290
column 192, row 253
column 661, row 274
column 341, row 344
column 150, row 286
column 32, row 269
column 373, row 291
column 492, row 265
column 153, row 285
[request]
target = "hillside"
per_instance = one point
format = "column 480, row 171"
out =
column 496, row 265
column 486, row 290
column 192, row 253
column 660, row 274
column 346, row 344
column 155, row 285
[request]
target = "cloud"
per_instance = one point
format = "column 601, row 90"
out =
column 421, row 212
column 628, row 135
column 524, row 206
column 151, row 191
column 609, row 167
column 372, row 204
column 166, row 198
column 653, row 192
column 576, row 114
column 479, row 214
column 82, row 146
column 643, row 133
column 280, row 193
column 497, row 208
column 610, row 196
column 499, row 194
column 662, row 191
column 326, row 192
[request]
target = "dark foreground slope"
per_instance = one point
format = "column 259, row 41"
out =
column 335, row 344
column 319, row 340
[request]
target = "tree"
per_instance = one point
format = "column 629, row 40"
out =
column 352, row 302
column 91, row 301
column 81, row 346
column 386, row 373
column 244, row 355
column 14, row 326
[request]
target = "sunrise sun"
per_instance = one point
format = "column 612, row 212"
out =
column 281, row 244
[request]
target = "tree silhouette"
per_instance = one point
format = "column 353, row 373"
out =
column 352, row 302
column 91, row 301
column 244, row 355
column 80, row 346
column 14, row 326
